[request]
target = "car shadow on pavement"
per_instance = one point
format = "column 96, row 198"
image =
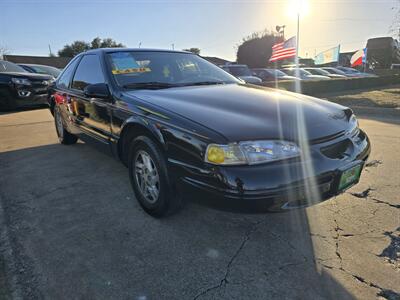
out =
column 22, row 109
column 76, row 231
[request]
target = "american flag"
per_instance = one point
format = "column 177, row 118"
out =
column 286, row 49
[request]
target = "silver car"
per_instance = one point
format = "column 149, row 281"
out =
column 321, row 71
column 243, row 72
column 303, row 74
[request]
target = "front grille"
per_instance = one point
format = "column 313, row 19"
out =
column 327, row 138
column 337, row 150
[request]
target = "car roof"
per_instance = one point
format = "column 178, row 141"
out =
column 21, row 64
column 108, row 50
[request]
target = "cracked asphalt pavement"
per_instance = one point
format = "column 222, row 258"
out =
column 70, row 228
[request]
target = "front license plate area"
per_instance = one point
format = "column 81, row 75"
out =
column 349, row 177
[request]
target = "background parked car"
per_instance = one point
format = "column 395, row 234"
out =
column 354, row 72
column 336, row 71
column 271, row 74
column 21, row 88
column 319, row 71
column 243, row 72
column 303, row 74
column 41, row 69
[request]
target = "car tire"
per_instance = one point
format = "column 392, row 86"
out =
column 7, row 102
column 156, row 195
column 64, row 136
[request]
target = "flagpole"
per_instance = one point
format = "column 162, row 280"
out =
column 297, row 71
column 297, row 39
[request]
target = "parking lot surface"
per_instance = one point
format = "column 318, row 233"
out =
column 72, row 229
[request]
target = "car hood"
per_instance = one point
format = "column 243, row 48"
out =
column 251, row 79
column 336, row 76
column 32, row 76
column 242, row 112
column 287, row 77
column 368, row 75
column 316, row 77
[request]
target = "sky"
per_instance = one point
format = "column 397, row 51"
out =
column 216, row 27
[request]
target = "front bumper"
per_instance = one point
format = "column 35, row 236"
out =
column 279, row 185
column 30, row 95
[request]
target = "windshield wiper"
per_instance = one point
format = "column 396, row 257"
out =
column 151, row 85
column 203, row 83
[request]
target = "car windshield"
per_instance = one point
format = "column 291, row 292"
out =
column 139, row 69
column 276, row 73
column 334, row 71
column 240, row 71
column 6, row 66
column 46, row 70
column 292, row 72
column 318, row 72
column 351, row 70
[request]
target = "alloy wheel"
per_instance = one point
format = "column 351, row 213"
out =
column 146, row 176
column 59, row 124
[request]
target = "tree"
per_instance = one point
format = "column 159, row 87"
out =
column 105, row 43
column 395, row 28
column 256, row 49
column 81, row 46
column 3, row 51
column 193, row 50
column 74, row 49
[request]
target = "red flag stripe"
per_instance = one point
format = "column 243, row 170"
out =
column 284, row 54
column 283, row 50
column 288, row 55
column 277, row 45
column 277, row 52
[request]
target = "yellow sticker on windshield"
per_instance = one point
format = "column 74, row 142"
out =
column 166, row 71
column 132, row 70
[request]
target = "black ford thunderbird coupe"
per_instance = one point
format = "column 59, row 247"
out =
column 181, row 123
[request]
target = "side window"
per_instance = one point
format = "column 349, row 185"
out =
column 88, row 72
column 66, row 76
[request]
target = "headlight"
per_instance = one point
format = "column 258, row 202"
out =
column 252, row 152
column 22, row 81
column 353, row 125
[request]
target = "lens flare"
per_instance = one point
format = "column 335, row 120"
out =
column 298, row 7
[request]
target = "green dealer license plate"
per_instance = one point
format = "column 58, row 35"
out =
column 349, row 177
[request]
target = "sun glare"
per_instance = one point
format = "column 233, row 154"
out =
column 296, row 7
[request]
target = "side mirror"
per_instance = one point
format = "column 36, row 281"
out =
column 98, row 90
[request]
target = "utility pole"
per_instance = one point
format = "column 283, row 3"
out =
column 50, row 53
column 173, row 46
column 140, row 44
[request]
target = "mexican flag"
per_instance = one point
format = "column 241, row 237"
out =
column 359, row 58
